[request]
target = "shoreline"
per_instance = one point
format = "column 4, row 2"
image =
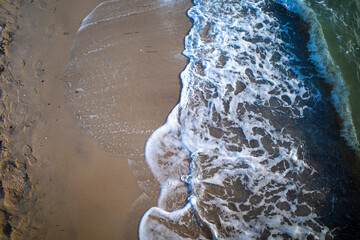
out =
column 122, row 81
column 76, row 189
column 73, row 167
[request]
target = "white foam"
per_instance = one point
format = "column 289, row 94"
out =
column 222, row 140
column 104, row 12
column 160, row 231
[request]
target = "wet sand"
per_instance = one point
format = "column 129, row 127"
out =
column 81, row 184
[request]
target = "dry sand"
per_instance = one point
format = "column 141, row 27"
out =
column 58, row 182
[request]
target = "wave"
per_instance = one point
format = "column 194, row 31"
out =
column 252, row 149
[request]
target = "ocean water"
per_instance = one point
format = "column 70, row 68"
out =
column 263, row 142
column 340, row 24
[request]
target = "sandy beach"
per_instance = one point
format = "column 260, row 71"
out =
column 72, row 165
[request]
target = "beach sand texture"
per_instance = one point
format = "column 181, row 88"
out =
column 73, row 167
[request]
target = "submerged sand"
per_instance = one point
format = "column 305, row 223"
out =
column 59, row 181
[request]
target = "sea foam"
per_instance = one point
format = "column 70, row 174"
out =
column 233, row 157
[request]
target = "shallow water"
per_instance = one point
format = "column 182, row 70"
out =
column 259, row 144
column 262, row 144
column 122, row 81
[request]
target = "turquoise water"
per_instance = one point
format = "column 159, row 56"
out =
column 340, row 22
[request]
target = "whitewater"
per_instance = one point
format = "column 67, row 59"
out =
column 261, row 143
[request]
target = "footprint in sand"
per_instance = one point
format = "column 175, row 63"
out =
column 2, row 108
column 38, row 68
column 27, row 152
column 50, row 30
column 41, row 3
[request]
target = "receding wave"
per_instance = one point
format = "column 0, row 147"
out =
column 121, row 79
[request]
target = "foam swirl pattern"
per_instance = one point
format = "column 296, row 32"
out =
column 252, row 149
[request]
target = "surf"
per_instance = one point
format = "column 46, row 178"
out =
column 255, row 143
